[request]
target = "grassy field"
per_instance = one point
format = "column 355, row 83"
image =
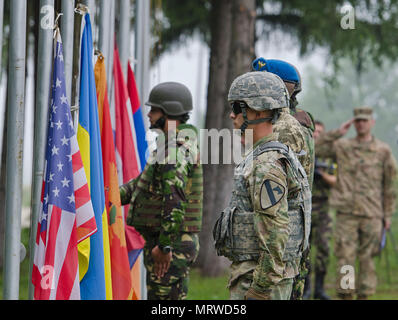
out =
column 204, row 288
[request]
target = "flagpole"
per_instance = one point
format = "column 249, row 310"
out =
column 15, row 135
column 124, row 34
column 104, row 33
column 67, row 30
column 44, row 64
column 142, row 50
column 142, row 54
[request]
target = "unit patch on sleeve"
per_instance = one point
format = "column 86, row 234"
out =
column 271, row 193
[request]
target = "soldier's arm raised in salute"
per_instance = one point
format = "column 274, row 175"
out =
column 325, row 144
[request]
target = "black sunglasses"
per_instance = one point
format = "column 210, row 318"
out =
column 237, row 107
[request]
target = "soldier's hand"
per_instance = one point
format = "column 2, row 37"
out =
column 346, row 126
column 162, row 261
column 387, row 224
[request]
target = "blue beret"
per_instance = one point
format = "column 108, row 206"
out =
column 284, row 70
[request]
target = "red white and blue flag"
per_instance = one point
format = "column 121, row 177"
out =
column 66, row 215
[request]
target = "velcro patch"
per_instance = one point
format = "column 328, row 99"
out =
column 271, row 193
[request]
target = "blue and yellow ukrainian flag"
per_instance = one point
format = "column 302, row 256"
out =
column 94, row 256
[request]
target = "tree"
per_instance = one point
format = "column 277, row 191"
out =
column 232, row 34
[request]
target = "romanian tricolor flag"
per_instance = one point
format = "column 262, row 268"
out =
column 128, row 161
column 95, row 277
column 121, row 279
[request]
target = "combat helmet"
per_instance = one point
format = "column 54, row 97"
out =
column 173, row 98
column 259, row 91
column 286, row 71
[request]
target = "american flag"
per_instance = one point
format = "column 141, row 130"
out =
column 66, row 215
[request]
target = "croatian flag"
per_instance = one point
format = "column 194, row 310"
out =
column 66, row 213
column 139, row 126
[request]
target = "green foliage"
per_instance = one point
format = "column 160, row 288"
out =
column 318, row 24
column 311, row 23
column 174, row 22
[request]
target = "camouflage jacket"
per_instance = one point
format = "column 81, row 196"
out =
column 307, row 124
column 365, row 175
column 298, row 138
column 166, row 199
column 321, row 189
column 271, row 218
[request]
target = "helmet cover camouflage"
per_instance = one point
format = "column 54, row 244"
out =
column 260, row 91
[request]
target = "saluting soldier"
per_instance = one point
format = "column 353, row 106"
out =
column 364, row 198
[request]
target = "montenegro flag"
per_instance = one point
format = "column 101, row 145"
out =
column 120, row 268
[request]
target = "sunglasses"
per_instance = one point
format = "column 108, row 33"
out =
column 237, row 107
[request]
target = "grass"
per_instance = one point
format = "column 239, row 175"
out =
column 206, row 288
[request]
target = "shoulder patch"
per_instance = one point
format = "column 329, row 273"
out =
column 305, row 119
column 270, row 194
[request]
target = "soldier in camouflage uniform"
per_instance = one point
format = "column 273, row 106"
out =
column 321, row 226
column 298, row 135
column 364, row 198
column 265, row 229
column 166, row 199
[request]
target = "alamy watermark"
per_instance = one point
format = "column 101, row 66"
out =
column 199, row 147
column 347, row 281
column 348, row 19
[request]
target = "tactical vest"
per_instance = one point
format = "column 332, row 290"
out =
column 234, row 233
column 147, row 201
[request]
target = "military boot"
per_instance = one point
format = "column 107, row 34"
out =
column 307, row 288
column 319, row 290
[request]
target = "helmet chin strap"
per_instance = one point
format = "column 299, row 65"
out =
column 246, row 122
column 159, row 124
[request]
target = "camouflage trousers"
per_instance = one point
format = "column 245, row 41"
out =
column 321, row 229
column 321, row 232
column 356, row 237
column 242, row 276
column 174, row 284
column 299, row 280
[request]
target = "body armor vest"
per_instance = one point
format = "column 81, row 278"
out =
column 234, row 233
column 148, row 202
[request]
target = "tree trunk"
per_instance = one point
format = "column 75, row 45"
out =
column 232, row 49
column 208, row 261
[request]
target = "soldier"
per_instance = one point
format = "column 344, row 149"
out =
column 321, row 222
column 263, row 239
column 298, row 135
column 364, row 198
column 166, row 199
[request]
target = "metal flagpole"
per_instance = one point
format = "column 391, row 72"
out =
column 44, row 65
column 124, row 34
column 142, row 50
column 104, row 33
column 111, row 44
column 142, row 54
column 67, row 30
column 1, row 69
column 15, row 135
